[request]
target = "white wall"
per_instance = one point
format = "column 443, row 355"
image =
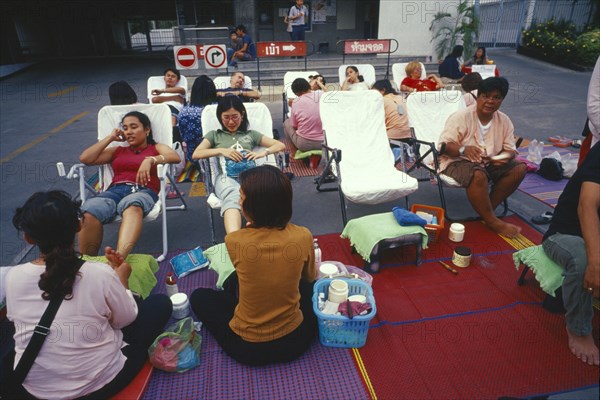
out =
column 408, row 22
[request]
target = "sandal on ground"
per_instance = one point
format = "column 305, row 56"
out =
column 545, row 218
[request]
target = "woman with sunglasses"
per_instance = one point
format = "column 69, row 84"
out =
column 235, row 142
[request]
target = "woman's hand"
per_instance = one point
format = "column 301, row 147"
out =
column 232, row 154
column 143, row 174
column 117, row 135
column 251, row 155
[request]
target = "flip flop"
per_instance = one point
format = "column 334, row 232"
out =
column 545, row 218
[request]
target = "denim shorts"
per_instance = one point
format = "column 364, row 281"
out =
column 114, row 201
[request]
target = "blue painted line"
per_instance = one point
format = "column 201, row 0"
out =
column 487, row 310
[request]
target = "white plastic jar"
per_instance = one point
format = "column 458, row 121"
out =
column 338, row 291
column 181, row 305
column 457, row 232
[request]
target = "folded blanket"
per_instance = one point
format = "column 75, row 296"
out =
column 143, row 267
column 407, row 218
column 365, row 232
column 305, row 154
column 546, row 271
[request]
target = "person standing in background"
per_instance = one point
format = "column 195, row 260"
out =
column 297, row 16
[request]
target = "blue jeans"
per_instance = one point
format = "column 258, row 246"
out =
column 568, row 251
column 298, row 32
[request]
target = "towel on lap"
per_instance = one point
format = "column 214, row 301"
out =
column 143, row 268
column 546, row 271
column 365, row 232
column 305, row 154
column 407, row 218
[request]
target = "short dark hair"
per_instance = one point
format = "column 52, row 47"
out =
column 318, row 76
column 241, row 28
column 471, row 81
column 120, row 93
column 300, row 86
column 385, row 85
column 494, row 83
column 144, row 120
column 173, row 70
column 269, row 194
column 355, row 69
column 227, row 102
column 204, row 92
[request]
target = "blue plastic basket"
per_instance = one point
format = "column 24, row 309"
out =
column 339, row 330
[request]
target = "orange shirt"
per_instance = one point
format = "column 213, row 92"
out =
column 270, row 263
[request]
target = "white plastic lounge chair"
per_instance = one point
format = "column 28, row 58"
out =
column 399, row 73
column 158, row 82
column 486, row 71
column 363, row 162
column 288, row 93
column 259, row 118
column 366, row 70
column 427, row 114
column 223, row 82
column 109, row 117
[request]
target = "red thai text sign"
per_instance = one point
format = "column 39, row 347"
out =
column 366, row 46
column 280, row 49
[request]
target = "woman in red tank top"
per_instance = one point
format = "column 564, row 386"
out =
column 135, row 185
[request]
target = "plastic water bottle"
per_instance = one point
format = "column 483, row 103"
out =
column 317, row 253
column 171, row 284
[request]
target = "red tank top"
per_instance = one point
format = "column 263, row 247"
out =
column 126, row 162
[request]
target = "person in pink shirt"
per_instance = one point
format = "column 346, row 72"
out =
column 99, row 339
column 478, row 147
column 304, row 127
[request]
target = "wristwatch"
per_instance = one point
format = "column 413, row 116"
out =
column 461, row 151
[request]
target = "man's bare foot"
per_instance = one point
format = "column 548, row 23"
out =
column 584, row 348
column 504, row 228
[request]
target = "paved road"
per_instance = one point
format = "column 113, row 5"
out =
column 48, row 114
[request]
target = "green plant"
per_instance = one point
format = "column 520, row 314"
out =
column 449, row 29
column 588, row 47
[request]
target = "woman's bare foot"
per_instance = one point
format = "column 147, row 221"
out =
column 504, row 228
column 584, row 348
column 113, row 257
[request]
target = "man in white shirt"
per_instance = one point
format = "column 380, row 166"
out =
column 298, row 17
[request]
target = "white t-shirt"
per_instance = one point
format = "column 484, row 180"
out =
column 82, row 352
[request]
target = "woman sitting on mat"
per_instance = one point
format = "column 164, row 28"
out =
column 272, row 319
column 414, row 83
column 396, row 117
column 75, row 360
column 135, row 185
column 235, row 142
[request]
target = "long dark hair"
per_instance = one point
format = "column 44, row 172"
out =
column 483, row 55
column 204, row 92
column 51, row 220
column 268, row 192
column 144, row 120
column 457, row 51
column 227, row 102
column 385, row 85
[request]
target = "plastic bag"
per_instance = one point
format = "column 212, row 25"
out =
column 188, row 262
column 178, row 348
column 178, row 168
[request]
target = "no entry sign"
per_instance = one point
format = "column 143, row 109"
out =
column 280, row 49
column 215, row 56
column 185, row 57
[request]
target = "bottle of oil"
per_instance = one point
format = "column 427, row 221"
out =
column 171, row 284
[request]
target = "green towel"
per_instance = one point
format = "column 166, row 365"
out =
column 365, row 232
column 143, row 268
column 305, row 154
column 219, row 262
column 546, row 271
